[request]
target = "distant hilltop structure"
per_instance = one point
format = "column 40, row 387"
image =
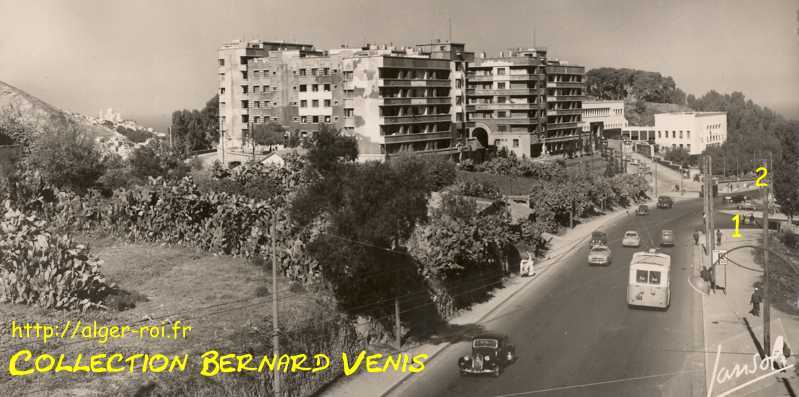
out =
column 110, row 115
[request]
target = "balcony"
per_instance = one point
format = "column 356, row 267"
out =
column 518, row 121
column 349, row 122
column 433, row 118
column 417, row 101
column 506, row 106
column 564, row 84
column 480, row 78
column 413, row 83
column 561, row 126
column 348, row 85
column 563, row 112
column 516, row 91
column 525, row 77
column 564, row 138
column 418, row 137
column 565, row 98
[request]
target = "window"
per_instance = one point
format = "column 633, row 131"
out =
column 221, row 62
column 303, row 103
column 501, row 99
column 303, row 119
column 641, row 276
column 502, row 128
column 502, row 114
column 654, row 277
column 515, row 141
column 303, row 88
column 327, row 88
column 244, row 75
column 458, row 66
column 222, row 91
column 315, row 88
column 501, row 72
column 245, row 104
column 326, row 71
column 302, row 72
column 659, row 134
column 347, row 75
column 348, row 112
column 674, row 134
column 689, row 147
column 256, row 73
column 327, row 103
column 245, row 118
column 257, row 119
column 244, row 89
column 256, row 104
column 313, row 71
column 327, row 119
column 688, row 134
column 264, row 88
column 458, row 83
column 315, row 119
column 501, row 86
column 680, row 134
column 315, row 103
column 256, row 88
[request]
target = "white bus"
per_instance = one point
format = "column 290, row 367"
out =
column 650, row 280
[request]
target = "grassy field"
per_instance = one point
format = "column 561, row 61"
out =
column 224, row 299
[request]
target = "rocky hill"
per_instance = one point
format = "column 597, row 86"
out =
column 118, row 136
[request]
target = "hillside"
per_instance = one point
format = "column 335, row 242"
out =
column 38, row 115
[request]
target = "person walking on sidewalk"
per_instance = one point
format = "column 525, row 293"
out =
column 752, row 219
column 696, row 237
column 718, row 237
column 755, row 301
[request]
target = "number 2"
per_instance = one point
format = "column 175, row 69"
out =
column 737, row 219
column 761, row 177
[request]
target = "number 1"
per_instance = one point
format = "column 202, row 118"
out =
column 737, row 219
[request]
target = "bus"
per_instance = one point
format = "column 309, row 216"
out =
column 650, row 280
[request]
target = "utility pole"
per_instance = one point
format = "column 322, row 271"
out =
column 275, row 329
column 766, row 311
column 655, row 175
column 710, row 220
column 708, row 227
column 397, row 322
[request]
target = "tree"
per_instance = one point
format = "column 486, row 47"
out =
column 679, row 156
column 66, row 159
column 196, row 129
column 328, row 146
column 786, row 175
column 267, row 135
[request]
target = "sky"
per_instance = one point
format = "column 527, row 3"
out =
column 147, row 58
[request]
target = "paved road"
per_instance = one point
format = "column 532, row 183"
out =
column 575, row 335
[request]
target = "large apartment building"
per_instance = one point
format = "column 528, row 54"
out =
column 427, row 99
column 392, row 100
column 526, row 103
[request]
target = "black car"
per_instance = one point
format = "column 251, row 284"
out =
column 491, row 353
column 665, row 202
column 643, row 209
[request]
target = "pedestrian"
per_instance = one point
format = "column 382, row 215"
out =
column 755, row 301
column 696, row 237
column 718, row 237
column 752, row 219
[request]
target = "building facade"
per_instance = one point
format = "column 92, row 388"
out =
column 393, row 100
column 524, row 102
column 692, row 131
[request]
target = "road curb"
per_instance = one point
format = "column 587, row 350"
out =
column 567, row 251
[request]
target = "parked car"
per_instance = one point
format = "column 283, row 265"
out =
column 631, row 239
column 643, row 209
column 491, row 353
column 600, row 255
column 665, row 202
column 598, row 238
column 667, row 237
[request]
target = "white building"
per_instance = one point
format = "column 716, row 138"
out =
column 609, row 113
column 692, row 131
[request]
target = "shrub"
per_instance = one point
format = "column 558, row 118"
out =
column 66, row 159
column 38, row 268
column 196, row 164
column 790, row 239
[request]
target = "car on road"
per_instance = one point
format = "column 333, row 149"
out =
column 600, row 255
column 643, row 209
column 598, row 238
column 665, row 202
column 747, row 206
column 631, row 239
column 667, row 237
column 491, row 353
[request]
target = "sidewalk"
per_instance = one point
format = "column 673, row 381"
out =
column 381, row 384
column 724, row 325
